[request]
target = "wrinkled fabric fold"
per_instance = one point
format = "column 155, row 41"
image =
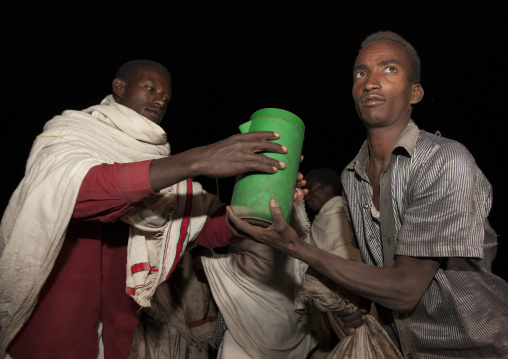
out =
column 370, row 341
column 181, row 320
column 254, row 286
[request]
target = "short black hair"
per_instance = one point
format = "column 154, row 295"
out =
column 326, row 176
column 129, row 69
column 414, row 59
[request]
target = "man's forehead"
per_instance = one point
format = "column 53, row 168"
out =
column 313, row 182
column 384, row 52
column 147, row 70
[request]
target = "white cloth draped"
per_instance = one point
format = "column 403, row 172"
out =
column 254, row 286
column 35, row 221
column 330, row 231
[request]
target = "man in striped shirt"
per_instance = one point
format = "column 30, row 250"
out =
column 418, row 207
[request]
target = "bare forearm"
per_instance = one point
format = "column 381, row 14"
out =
column 167, row 171
column 367, row 281
column 229, row 157
column 399, row 287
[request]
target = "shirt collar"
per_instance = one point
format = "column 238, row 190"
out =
column 407, row 140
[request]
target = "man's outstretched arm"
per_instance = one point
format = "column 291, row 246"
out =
column 234, row 155
column 398, row 288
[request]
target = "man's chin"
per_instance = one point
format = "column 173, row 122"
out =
column 154, row 118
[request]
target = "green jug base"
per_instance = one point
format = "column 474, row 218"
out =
column 257, row 221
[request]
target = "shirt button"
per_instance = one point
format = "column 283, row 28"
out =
column 366, row 206
column 410, row 356
column 403, row 315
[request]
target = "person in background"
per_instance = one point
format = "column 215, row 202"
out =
column 330, row 231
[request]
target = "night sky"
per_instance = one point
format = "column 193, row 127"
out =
column 229, row 59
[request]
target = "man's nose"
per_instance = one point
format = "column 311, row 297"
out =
column 371, row 83
column 159, row 100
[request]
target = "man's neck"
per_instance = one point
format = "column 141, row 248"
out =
column 381, row 142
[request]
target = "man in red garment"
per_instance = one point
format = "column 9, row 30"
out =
column 63, row 244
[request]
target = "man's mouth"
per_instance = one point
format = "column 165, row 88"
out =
column 154, row 113
column 371, row 100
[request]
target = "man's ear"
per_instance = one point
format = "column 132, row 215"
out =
column 417, row 94
column 118, row 87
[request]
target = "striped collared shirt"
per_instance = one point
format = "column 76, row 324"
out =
column 441, row 201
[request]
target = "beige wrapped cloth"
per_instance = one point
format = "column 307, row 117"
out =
column 370, row 340
column 180, row 323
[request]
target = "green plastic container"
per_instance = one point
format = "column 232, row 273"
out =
column 253, row 190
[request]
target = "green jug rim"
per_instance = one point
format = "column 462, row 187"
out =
column 279, row 113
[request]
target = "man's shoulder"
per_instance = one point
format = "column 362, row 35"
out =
column 438, row 139
column 333, row 205
column 437, row 145
column 66, row 119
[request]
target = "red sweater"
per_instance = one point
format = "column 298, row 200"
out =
column 110, row 192
column 87, row 282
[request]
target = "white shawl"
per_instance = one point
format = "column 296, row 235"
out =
column 254, row 286
column 35, row 221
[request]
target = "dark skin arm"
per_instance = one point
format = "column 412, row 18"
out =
column 399, row 288
column 231, row 156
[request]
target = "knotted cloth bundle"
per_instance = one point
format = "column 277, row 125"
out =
column 370, row 341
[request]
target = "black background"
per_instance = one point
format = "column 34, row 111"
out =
column 229, row 59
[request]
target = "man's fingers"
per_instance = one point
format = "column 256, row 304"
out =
column 262, row 135
column 350, row 331
column 299, row 194
column 278, row 219
column 276, row 211
column 240, row 225
column 345, row 312
column 263, row 141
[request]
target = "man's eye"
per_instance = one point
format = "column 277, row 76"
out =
column 359, row 74
column 391, row 69
column 150, row 88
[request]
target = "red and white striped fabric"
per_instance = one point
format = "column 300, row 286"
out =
column 161, row 228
